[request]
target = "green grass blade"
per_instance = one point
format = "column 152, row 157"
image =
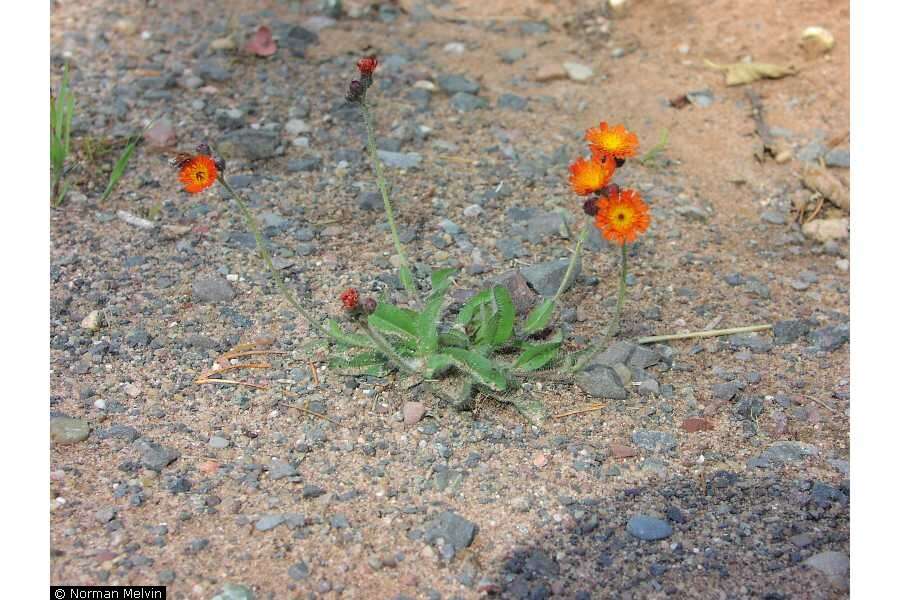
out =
column 119, row 168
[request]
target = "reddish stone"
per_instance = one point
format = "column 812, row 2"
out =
column 621, row 451
column 695, row 424
column 540, row 460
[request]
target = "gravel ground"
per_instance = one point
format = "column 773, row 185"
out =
column 719, row 471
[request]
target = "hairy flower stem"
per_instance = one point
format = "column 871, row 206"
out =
column 267, row 258
column 385, row 347
column 405, row 274
column 613, row 328
column 570, row 270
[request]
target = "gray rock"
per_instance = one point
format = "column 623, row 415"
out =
column 268, row 522
column 161, row 134
column 299, row 571
column 749, row 408
column 534, row 28
column 105, row 515
column 726, row 391
column 212, row 288
column 829, row 339
column 212, row 71
column 642, row 357
column 654, row 441
column 523, row 297
column 511, row 248
column 648, row 528
column 123, row 432
column 617, row 353
column 231, row 591
column 66, row 430
column 280, row 469
column 218, row 442
column 400, row 160
column 812, row 151
column 751, row 341
column 453, row 84
column 512, row 55
column 773, row 217
column 838, row 157
column 312, row 491
column 601, row 382
column 297, row 40
column 648, row 387
column 154, row 456
column 464, row 102
column 546, row 277
column 693, row 213
column 302, row 165
column 834, row 565
column 541, row 226
column 252, row 144
column 789, row 452
column 455, row 531
column 701, row 98
column 789, row 331
column 512, row 102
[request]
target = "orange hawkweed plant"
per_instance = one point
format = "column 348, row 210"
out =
column 621, row 216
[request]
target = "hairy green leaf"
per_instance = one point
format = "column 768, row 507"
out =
column 388, row 318
column 354, row 340
column 537, row 355
column 479, row 368
column 426, row 327
column 453, row 338
column 539, row 317
column 438, row 363
column 467, row 312
column 365, row 363
column 506, row 315
column 441, row 280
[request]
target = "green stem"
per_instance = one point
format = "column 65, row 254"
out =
column 570, row 270
column 405, row 273
column 613, row 328
column 267, row 258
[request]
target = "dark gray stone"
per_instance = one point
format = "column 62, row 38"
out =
column 154, row 456
column 280, row 469
column 297, row 40
column 252, row 144
column 546, row 277
column 601, row 382
column 123, row 432
column 512, row 102
column 268, row 522
column 789, row 331
column 654, row 441
column 752, row 342
column 648, row 529
column 400, row 160
column 830, row 338
column 454, row 530
column 304, row 165
column 299, row 571
column 464, row 102
column 212, row 288
column 453, row 84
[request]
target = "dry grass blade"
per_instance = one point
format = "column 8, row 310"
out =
column 258, row 386
column 591, row 408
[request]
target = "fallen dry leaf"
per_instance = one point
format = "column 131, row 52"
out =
column 261, row 42
column 741, row 73
column 820, row 180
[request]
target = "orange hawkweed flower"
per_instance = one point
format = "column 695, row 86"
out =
column 198, row 173
column 588, row 176
column 616, row 142
column 622, row 216
column 367, row 64
column 350, row 298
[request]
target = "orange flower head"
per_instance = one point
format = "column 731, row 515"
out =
column 198, row 173
column 350, row 298
column 588, row 176
column 616, row 142
column 367, row 64
column 622, row 216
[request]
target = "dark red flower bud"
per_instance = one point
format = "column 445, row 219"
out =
column 203, row 148
column 366, row 65
column 220, row 164
column 607, row 191
column 590, row 206
column 350, row 298
column 356, row 91
column 369, row 305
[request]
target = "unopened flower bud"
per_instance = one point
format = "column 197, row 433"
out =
column 368, row 305
column 356, row 91
column 203, row 148
column 590, row 206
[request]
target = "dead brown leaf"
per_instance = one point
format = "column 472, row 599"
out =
column 741, row 73
column 820, row 180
